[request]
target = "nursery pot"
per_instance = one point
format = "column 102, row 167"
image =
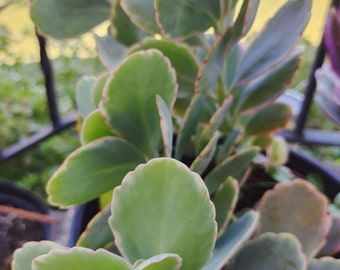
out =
column 14, row 228
column 298, row 162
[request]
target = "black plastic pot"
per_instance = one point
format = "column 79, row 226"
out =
column 18, row 197
column 298, row 162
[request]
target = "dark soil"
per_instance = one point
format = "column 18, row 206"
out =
column 14, row 232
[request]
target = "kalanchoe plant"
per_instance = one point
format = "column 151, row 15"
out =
column 173, row 129
column 328, row 76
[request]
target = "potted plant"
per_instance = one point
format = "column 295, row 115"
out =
column 23, row 217
column 174, row 129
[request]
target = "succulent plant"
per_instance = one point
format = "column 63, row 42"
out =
column 173, row 128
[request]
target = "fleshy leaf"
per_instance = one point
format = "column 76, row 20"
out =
column 269, row 86
column 204, row 158
column 235, row 166
column 232, row 240
column 268, row 120
column 23, row 257
column 226, row 148
column 68, row 18
column 182, row 18
column 94, row 128
column 124, row 30
column 166, row 125
column 80, row 258
column 326, row 263
column 211, row 66
column 270, row 251
column 167, row 200
column 181, row 59
column 215, row 122
column 97, row 233
column 161, row 262
column 190, row 122
column 92, row 170
column 141, row 13
column 296, row 207
column 225, row 201
column 332, row 245
column 110, row 52
column 98, row 89
column 152, row 75
column 84, row 95
column 269, row 48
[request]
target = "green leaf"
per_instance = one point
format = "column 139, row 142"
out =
column 245, row 18
column 215, row 122
column 94, row 128
column 68, row 18
column 135, row 85
column 326, row 263
column 99, row 88
column 225, row 201
column 225, row 149
column 213, row 62
column 80, row 258
column 97, row 233
column 161, row 262
column 166, row 200
column 234, row 166
column 204, row 158
column 124, row 30
column 190, row 122
column 166, row 125
column 84, row 95
column 141, row 13
column 332, row 245
column 268, row 120
column 92, row 170
column 183, row 18
column 269, row 86
column 23, row 257
column 181, row 59
column 232, row 239
column 270, row 251
column 111, row 53
column 296, row 207
column 272, row 44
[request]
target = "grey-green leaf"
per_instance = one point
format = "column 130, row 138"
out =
column 92, row 170
column 166, row 125
column 84, row 95
column 270, row 251
column 161, row 262
column 97, row 233
column 155, row 210
column 232, row 240
column 23, row 257
column 81, row 258
column 135, row 85
column 68, row 18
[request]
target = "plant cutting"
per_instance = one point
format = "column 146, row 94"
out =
column 174, row 128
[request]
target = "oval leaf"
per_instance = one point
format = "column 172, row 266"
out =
column 141, row 13
column 23, row 257
column 326, row 263
column 270, row 251
column 135, row 85
column 155, row 197
column 80, row 258
column 94, row 128
column 182, row 18
column 298, row 208
column 268, row 120
column 84, row 95
column 92, row 170
column 68, row 18
column 232, row 239
column 97, row 233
